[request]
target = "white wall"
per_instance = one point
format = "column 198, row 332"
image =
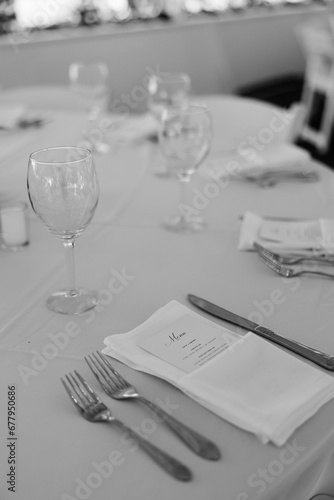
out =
column 220, row 55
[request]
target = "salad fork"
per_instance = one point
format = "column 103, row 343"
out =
column 118, row 388
column 93, row 409
column 289, row 261
column 288, row 272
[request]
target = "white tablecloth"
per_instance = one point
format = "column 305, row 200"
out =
column 58, row 454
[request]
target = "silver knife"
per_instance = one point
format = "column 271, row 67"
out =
column 318, row 357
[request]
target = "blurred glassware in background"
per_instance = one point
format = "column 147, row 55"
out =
column 165, row 90
column 14, row 225
column 185, row 138
column 89, row 82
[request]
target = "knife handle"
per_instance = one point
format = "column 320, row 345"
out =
column 320, row 358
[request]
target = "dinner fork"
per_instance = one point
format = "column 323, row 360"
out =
column 91, row 407
column 283, row 259
column 288, row 272
column 269, row 179
column 118, row 388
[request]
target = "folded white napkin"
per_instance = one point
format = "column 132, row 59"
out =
column 249, row 162
column 301, row 236
column 252, row 383
column 11, row 115
column 132, row 128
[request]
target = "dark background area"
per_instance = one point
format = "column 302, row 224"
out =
column 284, row 92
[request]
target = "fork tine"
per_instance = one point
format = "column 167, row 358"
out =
column 91, row 395
column 263, row 251
column 116, row 382
column 265, row 259
column 271, row 263
column 74, row 400
column 121, row 380
column 77, row 388
column 276, row 265
column 100, row 375
column 106, row 373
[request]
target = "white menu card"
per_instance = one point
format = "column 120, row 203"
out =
column 188, row 343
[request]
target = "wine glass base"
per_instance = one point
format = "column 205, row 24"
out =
column 72, row 301
column 179, row 224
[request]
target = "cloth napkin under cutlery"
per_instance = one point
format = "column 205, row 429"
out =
column 245, row 380
column 287, row 236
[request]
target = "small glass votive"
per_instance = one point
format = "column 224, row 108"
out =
column 14, row 226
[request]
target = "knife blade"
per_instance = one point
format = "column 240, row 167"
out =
column 318, row 357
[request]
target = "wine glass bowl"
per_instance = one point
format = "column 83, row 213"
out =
column 63, row 190
column 185, row 139
column 167, row 89
column 89, row 82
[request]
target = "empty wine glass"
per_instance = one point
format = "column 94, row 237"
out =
column 89, row 82
column 185, row 138
column 63, row 190
column 165, row 90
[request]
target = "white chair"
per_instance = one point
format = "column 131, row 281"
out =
column 316, row 123
column 318, row 101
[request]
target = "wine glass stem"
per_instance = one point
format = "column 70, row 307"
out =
column 93, row 116
column 69, row 249
column 94, row 132
column 91, row 124
column 184, row 183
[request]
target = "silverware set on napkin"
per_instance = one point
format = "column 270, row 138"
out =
column 290, row 266
column 91, row 407
column 270, row 178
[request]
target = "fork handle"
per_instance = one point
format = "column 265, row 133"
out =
column 320, row 358
column 290, row 261
column 317, row 273
column 195, row 441
column 170, row 464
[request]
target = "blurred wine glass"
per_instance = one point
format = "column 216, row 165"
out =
column 89, row 82
column 165, row 90
column 185, row 139
column 63, row 190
